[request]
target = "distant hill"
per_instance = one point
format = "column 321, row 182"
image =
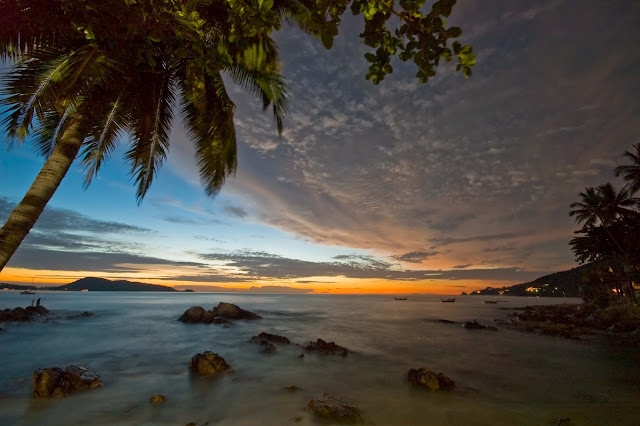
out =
column 101, row 284
column 558, row 284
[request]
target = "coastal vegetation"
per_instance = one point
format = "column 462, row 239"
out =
column 608, row 238
column 87, row 75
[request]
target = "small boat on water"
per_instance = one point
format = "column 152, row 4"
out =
column 448, row 300
column 400, row 298
column 490, row 301
column 27, row 292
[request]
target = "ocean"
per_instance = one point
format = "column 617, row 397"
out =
column 137, row 346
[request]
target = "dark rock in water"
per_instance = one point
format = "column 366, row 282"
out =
column 444, row 321
column 425, row 378
column 331, row 409
column 30, row 313
column 268, row 337
column 475, row 325
column 218, row 320
column 268, row 347
column 157, row 399
column 464, row 293
column 565, row 421
column 292, row 388
column 301, row 356
column 208, row 363
column 322, row 346
column 231, row 311
column 193, row 314
column 58, row 383
column 82, row 315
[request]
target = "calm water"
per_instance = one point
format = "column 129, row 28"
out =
column 135, row 343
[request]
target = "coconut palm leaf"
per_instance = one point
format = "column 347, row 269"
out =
column 631, row 172
column 107, row 126
column 150, row 102
column 208, row 114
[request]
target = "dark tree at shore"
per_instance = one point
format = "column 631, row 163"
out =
column 609, row 235
column 89, row 73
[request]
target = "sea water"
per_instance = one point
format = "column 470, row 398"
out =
column 137, row 346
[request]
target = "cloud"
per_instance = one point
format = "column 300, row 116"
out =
column 57, row 219
column 415, row 256
column 236, row 211
column 261, row 265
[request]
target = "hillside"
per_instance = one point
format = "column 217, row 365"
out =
column 101, row 284
column 558, row 284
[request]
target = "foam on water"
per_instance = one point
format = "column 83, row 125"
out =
column 135, row 343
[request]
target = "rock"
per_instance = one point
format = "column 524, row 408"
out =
column 444, row 321
column 231, row 311
column 425, row 378
column 301, row 356
column 193, row 314
column 30, row 313
column 332, row 409
column 565, row 421
column 268, row 347
column 268, row 337
column 475, row 325
column 464, row 293
column 82, row 315
column 207, row 317
column 208, row 363
column 292, row 388
column 322, row 346
column 55, row 382
column 157, row 399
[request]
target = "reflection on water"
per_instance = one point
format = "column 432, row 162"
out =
column 135, row 343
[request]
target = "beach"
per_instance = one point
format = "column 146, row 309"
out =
column 137, row 346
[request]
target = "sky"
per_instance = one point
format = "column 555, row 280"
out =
column 398, row 188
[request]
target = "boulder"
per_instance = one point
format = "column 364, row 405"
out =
column 157, row 399
column 30, row 313
column 268, row 347
column 324, row 347
column 331, row 409
column 425, row 378
column 231, row 311
column 268, row 337
column 208, row 363
column 55, row 382
column 82, row 315
column 193, row 314
column 292, row 389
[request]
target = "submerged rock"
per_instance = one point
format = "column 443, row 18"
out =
column 58, row 383
column 82, row 315
column 268, row 337
column 157, row 399
column 292, row 388
column 475, row 325
column 332, row 409
column 231, row 311
column 426, row 378
column 324, row 347
column 208, row 363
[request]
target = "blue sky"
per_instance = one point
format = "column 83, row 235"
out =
column 453, row 185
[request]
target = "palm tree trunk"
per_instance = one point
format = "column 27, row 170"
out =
column 25, row 215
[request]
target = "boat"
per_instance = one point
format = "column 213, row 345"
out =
column 400, row 298
column 27, row 292
column 490, row 301
column 449, row 300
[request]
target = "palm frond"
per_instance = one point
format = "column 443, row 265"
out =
column 208, row 114
column 49, row 128
column 29, row 91
column 108, row 125
column 150, row 119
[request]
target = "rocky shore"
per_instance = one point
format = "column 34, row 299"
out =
column 618, row 323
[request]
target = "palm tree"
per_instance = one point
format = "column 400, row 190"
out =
column 631, row 172
column 603, row 205
column 86, row 76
